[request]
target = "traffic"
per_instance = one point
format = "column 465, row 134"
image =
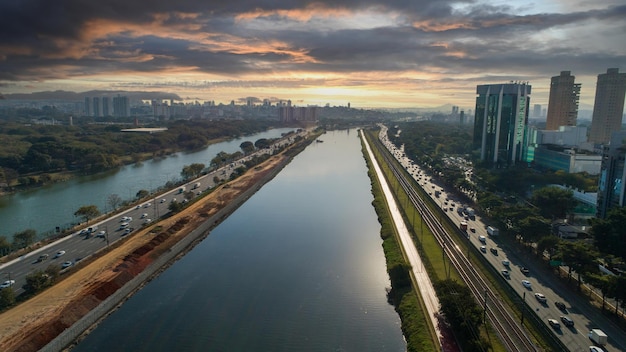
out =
column 569, row 318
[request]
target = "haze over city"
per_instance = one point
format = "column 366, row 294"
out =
column 396, row 54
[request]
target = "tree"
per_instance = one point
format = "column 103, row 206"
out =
column 549, row 244
column 37, row 281
column 87, row 212
column 553, row 202
column 24, row 238
column 175, row 206
column 262, row 143
column 7, row 298
column 5, row 245
column 193, row 170
column 247, row 147
column 142, row 193
column 578, row 256
column 533, row 228
column 114, row 200
column 609, row 234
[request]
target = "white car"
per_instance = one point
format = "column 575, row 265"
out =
column 101, row 234
column 163, row 200
column 147, row 221
column 144, row 215
column 540, row 297
column 59, row 253
column 147, row 205
column 7, row 283
column 126, row 219
column 527, row 284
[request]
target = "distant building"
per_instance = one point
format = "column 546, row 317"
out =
column 96, row 107
column 291, row 113
column 500, row 121
column 105, row 106
column 537, row 110
column 563, row 103
column 87, row 111
column 608, row 107
column 611, row 193
column 121, row 107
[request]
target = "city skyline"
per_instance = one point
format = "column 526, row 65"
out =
column 371, row 54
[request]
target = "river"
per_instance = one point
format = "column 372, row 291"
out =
column 44, row 208
column 298, row 267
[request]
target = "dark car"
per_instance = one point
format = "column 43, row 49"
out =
column 560, row 305
column 524, row 270
column 493, row 251
column 567, row 321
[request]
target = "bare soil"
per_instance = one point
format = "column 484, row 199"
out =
column 32, row 324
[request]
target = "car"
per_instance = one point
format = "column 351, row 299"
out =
column 554, row 324
column 123, row 225
column 147, row 221
column 595, row 349
column 506, row 263
column 83, row 232
column 506, row 274
column 144, row 215
column 138, row 207
column 560, row 305
column 66, row 265
column 524, row 270
column 147, row 205
column 126, row 219
column 567, row 321
column 472, row 229
column 59, row 253
column 163, row 200
column 101, row 234
column 527, row 284
column 7, row 283
column 42, row 258
column 493, row 251
column 482, row 239
column 483, row 249
column 540, row 297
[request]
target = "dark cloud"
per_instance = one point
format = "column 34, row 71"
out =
column 43, row 39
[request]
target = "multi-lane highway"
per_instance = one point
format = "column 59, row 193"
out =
column 539, row 279
column 69, row 250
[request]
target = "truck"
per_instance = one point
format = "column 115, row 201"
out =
column 598, row 336
column 470, row 213
column 463, row 226
column 492, row 231
column 181, row 190
column 196, row 185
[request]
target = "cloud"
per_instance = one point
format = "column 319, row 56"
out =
column 354, row 42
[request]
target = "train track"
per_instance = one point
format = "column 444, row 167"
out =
column 510, row 331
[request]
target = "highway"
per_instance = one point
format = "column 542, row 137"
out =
column 80, row 245
column 541, row 280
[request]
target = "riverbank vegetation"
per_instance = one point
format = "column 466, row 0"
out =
column 34, row 155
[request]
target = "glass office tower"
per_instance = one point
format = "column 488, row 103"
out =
column 500, row 121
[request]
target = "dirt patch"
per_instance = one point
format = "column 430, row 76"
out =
column 32, row 324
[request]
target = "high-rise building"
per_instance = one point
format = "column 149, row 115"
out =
column 563, row 103
column 537, row 110
column 87, row 106
column 500, row 121
column 608, row 107
column 96, row 107
column 105, row 106
column 121, row 108
column 611, row 192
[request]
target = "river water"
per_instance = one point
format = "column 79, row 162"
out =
column 298, row 267
column 43, row 209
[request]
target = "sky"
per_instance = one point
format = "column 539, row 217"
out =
column 369, row 53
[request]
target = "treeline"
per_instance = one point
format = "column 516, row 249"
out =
column 30, row 153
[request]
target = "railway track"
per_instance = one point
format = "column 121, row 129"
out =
column 510, row 331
